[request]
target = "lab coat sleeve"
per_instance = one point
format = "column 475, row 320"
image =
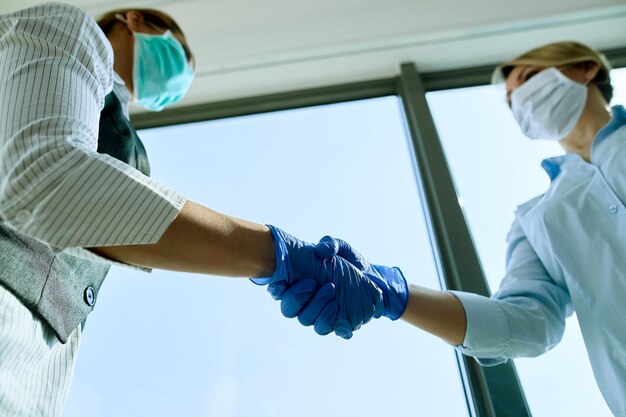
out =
column 525, row 318
column 56, row 67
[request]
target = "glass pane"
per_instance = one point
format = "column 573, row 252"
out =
column 496, row 168
column 171, row 344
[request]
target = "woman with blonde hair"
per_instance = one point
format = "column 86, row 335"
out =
column 567, row 246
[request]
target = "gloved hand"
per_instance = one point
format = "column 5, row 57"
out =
column 339, row 296
column 390, row 280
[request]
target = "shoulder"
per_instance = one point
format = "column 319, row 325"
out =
column 48, row 16
column 529, row 205
column 59, row 23
column 49, row 11
column 516, row 232
column 63, row 33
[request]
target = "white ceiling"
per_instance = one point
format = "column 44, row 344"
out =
column 250, row 47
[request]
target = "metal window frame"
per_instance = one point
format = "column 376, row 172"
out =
column 490, row 391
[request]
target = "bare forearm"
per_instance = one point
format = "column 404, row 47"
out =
column 203, row 241
column 436, row 312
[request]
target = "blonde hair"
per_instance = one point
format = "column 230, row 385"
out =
column 559, row 54
column 156, row 17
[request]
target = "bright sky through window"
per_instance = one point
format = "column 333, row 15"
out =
column 171, row 344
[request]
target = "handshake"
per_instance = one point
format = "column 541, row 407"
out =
column 331, row 286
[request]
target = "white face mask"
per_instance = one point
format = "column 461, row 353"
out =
column 548, row 105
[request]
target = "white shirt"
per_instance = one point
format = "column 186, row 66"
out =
column 567, row 251
column 56, row 67
column 122, row 93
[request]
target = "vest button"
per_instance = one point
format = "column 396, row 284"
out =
column 90, row 296
column 22, row 216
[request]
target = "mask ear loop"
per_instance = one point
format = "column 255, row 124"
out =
column 121, row 18
column 586, row 83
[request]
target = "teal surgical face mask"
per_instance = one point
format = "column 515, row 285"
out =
column 161, row 73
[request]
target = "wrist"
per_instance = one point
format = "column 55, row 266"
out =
column 395, row 290
column 274, row 259
column 267, row 259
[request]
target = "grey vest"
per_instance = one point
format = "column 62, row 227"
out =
column 62, row 289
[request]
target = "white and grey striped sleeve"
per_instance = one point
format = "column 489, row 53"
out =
column 56, row 68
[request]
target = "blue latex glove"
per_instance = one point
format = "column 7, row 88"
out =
column 390, row 280
column 331, row 294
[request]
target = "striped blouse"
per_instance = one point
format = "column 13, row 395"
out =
column 56, row 67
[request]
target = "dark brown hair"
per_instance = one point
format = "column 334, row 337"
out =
column 155, row 17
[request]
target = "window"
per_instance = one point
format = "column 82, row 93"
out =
column 171, row 344
column 496, row 168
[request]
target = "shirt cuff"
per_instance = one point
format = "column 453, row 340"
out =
column 487, row 335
